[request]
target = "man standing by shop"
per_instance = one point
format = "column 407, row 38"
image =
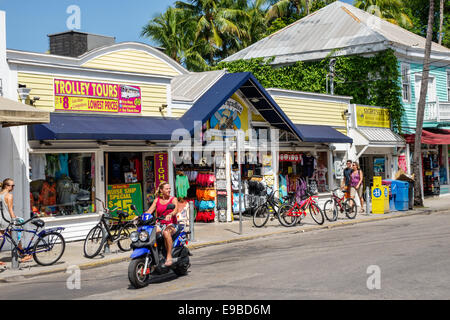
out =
column 345, row 186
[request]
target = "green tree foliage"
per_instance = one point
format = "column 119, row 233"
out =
column 174, row 30
column 418, row 12
column 389, row 10
column 199, row 33
column 220, row 23
column 370, row 81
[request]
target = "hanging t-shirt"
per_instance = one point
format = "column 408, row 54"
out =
column 63, row 159
column 38, row 163
column 283, row 186
column 182, row 185
column 52, row 165
column 115, row 169
column 309, row 163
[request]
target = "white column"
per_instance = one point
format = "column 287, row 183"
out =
column 227, row 155
column 408, row 160
column 100, row 178
column 331, row 184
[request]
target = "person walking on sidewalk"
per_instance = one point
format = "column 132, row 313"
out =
column 6, row 198
column 346, row 182
column 356, row 183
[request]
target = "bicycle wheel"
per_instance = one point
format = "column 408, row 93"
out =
column 49, row 248
column 124, row 242
column 94, row 242
column 330, row 209
column 285, row 216
column 350, row 208
column 261, row 216
column 316, row 213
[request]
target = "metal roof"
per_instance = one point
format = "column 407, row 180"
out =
column 189, row 87
column 336, row 26
column 224, row 88
column 381, row 136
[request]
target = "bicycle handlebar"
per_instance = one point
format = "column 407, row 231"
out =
column 12, row 222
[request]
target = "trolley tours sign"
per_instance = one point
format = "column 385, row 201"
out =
column 84, row 96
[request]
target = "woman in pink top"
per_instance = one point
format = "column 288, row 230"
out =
column 166, row 206
column 356, row 181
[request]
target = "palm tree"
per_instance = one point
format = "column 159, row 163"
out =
column 294, row 8
column 389, row 10
column 217, row 21
column 441, row 20
column 256, row 23
column 174, row 30
column 417, row 157
column 288, row 8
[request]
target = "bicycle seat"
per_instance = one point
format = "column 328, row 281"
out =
column 38, row 223
column 122, row 214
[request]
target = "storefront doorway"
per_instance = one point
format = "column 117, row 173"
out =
column 130, row 179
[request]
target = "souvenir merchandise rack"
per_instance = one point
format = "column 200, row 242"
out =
column 197, row 184
column 297, row 173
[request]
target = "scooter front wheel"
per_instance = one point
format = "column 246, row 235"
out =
column 136, row 274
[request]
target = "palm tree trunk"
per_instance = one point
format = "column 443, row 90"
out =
column 441, row 24
column 307, row 7
column 417, row 160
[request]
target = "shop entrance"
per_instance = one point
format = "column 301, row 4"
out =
column 129, row 180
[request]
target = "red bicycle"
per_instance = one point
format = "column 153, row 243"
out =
column 337, row 204
column 298, row 211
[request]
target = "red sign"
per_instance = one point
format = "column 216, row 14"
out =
column 402, row 162
column 290, row 157
column 161, row 168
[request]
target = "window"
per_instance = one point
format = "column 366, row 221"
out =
column 406, row 85
column 62, row 184
column 1, row 88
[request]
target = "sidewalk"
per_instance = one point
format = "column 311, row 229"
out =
column 205, row 235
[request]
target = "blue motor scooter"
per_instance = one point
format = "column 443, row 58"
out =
column 149, row 252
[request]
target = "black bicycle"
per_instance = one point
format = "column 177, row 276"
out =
column 109, row 230
column 271, row 209
column 48, row 247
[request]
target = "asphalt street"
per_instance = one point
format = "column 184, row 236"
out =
column 404, row 258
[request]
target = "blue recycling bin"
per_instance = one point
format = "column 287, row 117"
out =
column 402, row 195
column 392, row 193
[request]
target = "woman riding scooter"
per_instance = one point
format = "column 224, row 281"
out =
column 166, row 206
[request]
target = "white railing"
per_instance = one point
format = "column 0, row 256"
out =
column 431, row 111
column 444, row 111
column 436, row 111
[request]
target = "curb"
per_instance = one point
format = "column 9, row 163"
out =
column 90, row 265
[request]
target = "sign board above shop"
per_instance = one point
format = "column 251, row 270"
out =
column 85, row 96
column 372, row 117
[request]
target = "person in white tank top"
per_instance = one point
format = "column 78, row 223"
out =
column 6, row 198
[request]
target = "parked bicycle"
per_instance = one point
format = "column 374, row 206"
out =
column 272, row 209
column 109, row 230
column 298, row 211
column 46, row 246
column 337, row 204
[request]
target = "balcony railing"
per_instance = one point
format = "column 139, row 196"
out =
column 437, row 111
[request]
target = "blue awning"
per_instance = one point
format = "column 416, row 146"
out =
column 224, row 88
column 95, row 127
column 323, row 134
